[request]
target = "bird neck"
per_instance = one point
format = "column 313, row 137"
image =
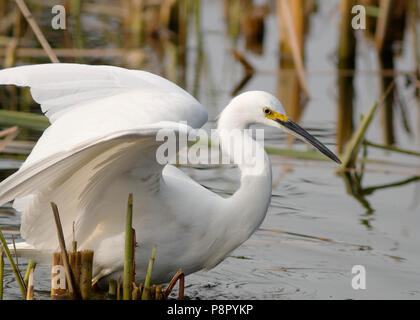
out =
column 248, row 206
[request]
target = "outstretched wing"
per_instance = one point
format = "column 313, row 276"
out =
column 85, row 102
column 60, row 88
column 78, row 179
column 104, row 125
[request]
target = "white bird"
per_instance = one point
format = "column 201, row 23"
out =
column 101, row 146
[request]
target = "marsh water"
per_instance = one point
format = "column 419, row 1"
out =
column 320, row 223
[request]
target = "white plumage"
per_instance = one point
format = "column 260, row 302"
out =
column 101, row 146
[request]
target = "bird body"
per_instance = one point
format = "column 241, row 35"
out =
column 102, row 145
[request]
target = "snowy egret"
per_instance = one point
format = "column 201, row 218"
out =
column 101, row 146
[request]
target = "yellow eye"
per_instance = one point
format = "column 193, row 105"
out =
column 267, row 111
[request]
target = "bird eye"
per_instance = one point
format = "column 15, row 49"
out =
column 267, row 111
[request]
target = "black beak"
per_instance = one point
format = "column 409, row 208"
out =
column 303, row 134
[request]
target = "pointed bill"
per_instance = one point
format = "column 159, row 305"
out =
column 299, row 132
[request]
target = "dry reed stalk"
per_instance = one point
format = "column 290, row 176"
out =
column 178, row 276
column 294, row 41
column 383, row 22
column 10, row 53
column 73, row 242
column 75, row 261
column 135, row 293
column 38, row 33
column 85, row 282
column 136, row 22
column 69, row 275
column 159, row 294
column 30, row 291
column 7, row 22
column 128, row 256
column 112, row 289
column 128, row 54
column 10, row 56
column 58, row 281
column 8, row 135
column 141, row 287
column 347, row 40
column 119, row 288
column 346, row 60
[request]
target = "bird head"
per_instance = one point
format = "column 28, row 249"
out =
column 259, row 107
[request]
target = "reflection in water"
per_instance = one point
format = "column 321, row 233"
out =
column 353, row 183
column 289, row 89
column 386, row 60
column 346, row 61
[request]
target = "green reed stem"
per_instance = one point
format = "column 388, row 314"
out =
column 14, row 268
column 353, row 146
column 391, row 148
column 31, row 265
column 146, row 290
column 1, row 272
column 24, row 119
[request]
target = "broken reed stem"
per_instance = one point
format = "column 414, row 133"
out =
column 349, row 157
column 141, row 286
column 119, row 289
column 30, row 291
column 58, row 280
column 178, row 276
column 128, row 258
column 112, row 289
column 31, row 265
column 135, row 292
column 75, row 266
column 146, row 290
column 1, row 271
column 69, row 274
column 86, row 268
column 37, row 31
column 74, row 242
column 158, row 293
column 14, row 268
column 352, row 148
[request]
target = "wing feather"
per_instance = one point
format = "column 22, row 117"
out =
column 104, row 121
column 74, row 178
column 60, row 88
